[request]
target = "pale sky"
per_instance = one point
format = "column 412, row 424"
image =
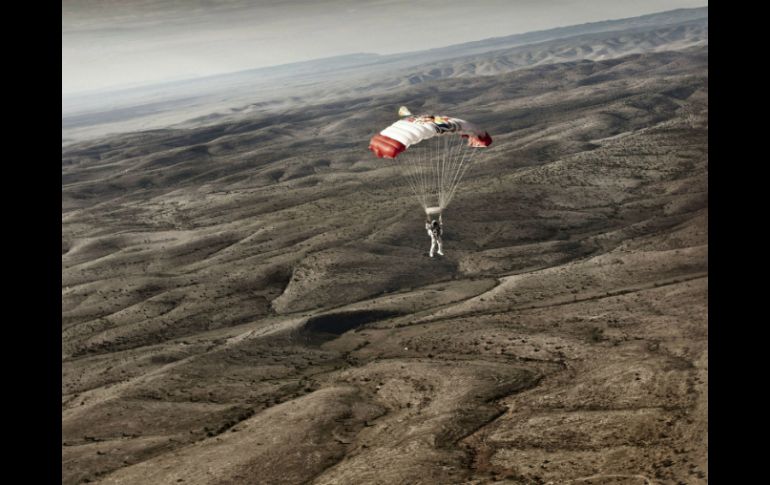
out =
column 119, row 43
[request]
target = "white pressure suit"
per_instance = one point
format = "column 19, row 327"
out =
column 434, row 231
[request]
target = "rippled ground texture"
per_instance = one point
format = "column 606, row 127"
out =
column 251, row 301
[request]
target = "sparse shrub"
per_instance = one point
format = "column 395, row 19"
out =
column 596, row 334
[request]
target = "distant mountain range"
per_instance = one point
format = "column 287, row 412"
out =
column 368, row 73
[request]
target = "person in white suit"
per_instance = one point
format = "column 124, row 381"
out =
column 435, row 230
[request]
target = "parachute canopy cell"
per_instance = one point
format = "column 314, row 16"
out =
column 402, row 134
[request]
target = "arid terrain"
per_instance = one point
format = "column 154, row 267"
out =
column 249, row 300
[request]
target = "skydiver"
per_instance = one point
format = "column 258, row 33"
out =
column 435, row 230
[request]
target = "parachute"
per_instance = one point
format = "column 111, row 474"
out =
column 432, row 153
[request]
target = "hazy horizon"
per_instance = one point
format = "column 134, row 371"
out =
column 110, row 45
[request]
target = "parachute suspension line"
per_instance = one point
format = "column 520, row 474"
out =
column 414, row 160
column 452, row 175
column 439, row 165
column 433, row 170
column 461, row 174
column 438, row 153
column 409, row 172
column 419, row 163
column 412, row 171
column 459, row 170
column 428, row 170
column 447, row 169
column 424, row 159
column 435, row 163
column 409, row 169
column 407, row 175
column 454, row 158
column 456, row 171
column 444, row 164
